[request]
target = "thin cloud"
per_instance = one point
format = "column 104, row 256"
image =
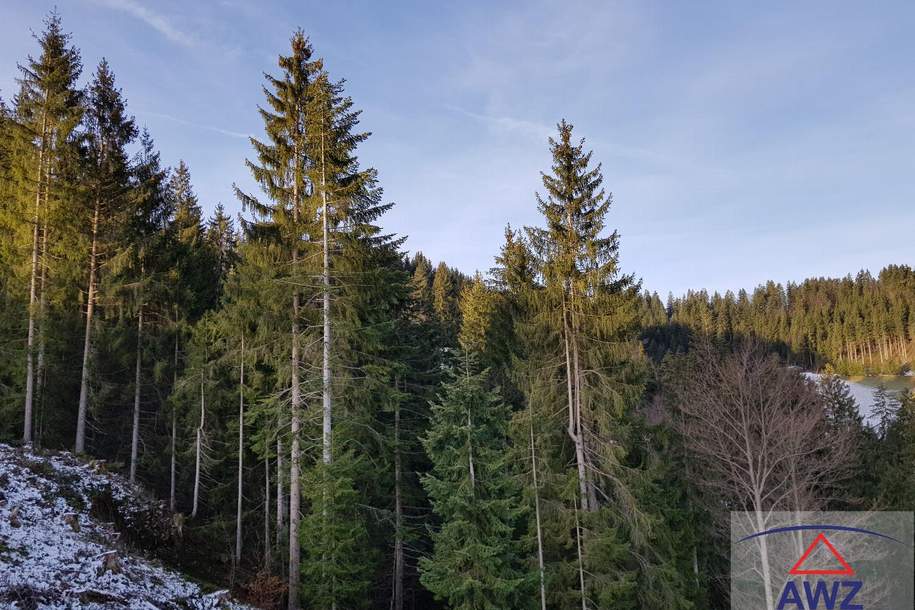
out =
column 528, row 128
column 154, row 20
column 174, row 119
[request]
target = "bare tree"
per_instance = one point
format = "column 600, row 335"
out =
column 760, row 434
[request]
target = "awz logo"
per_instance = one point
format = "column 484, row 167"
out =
column 843, row 593
column 807, row 593
column 829, row 593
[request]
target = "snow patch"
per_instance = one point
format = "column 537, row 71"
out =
column 55, row 555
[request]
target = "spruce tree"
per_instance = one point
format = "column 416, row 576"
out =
column 362, row 290
column 884, row 410
column 580, row 351
column 476, row 562
column 445, row 292
column 337, row 564
column 48, row 109
column 841, row 407
column 478, row 310
column 109, row 131
column 285, row 220
column 222, row 239
column 140, row 268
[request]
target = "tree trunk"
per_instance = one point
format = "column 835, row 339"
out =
column 267, row 512
column 581, row 564
column 471, row 470
column 280, row 502
column 398, row 515
column 135, row 439
column 171, row 486
column 537, row 517
column 42, row 326
column 763, row 552
column 584, row 472
column 33, row 292
column 294, row 482
column 199, row 447
column 573, row 386
column 40, row 366
column 87, row 342
column 325, row 364
column 294, row 470
column 241, row 451
column 40, row 373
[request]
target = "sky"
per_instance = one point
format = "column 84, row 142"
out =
column 742, row 141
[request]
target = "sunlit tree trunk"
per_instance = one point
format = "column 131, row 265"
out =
column 581, row 564
column 40, row 365
column 33, row 291
column 171, row 490
column 573, row 387
column 87, row 341
column 542, row 571
column 241, row 451
column 325, row 364
column 199, row 446
column 135, row 438
column 294, row 454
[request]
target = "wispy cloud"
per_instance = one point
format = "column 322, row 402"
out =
column 527, row 128
column 158, row 22
column 214, row 129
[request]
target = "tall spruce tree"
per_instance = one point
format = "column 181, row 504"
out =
column 476, row 562
column 580, row 350
column 287, row 220
column 361, row 288
column 140, row 269
column 48, row 110
column 109, row 130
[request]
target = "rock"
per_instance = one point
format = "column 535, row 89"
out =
column 72, row 519
column 92, row 596
column 14, row 518
column 110, row 563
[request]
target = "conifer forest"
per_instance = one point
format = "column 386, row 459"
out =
column 307, row 413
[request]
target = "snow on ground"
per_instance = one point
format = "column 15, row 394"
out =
column 55, row 555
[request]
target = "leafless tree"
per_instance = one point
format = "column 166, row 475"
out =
column 760, row 436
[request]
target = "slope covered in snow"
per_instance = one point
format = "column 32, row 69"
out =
column 62, row 525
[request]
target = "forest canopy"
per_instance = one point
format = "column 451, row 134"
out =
column 341, row 424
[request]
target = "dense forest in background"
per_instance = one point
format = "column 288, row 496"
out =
column 336, row 424
column 858, row 325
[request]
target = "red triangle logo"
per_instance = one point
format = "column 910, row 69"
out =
column 845, row 570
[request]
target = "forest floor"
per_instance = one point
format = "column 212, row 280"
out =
column 69, row 534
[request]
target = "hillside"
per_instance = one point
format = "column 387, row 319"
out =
column 63, row 525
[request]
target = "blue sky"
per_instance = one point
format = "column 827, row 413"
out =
column 742, row 141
